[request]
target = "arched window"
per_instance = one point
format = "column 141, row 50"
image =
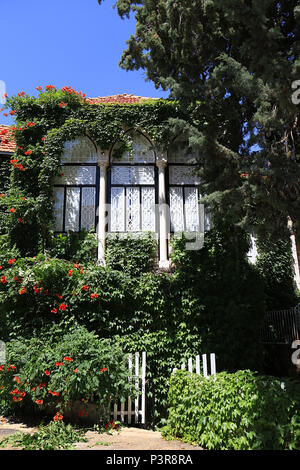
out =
column 185, row 211
column 76, row 188
column 132, row 191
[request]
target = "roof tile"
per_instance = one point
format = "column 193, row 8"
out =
column 7, row 142
column 120, row 99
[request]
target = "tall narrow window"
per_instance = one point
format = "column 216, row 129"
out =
column 76, row 188
column 132, row 188
column 185, row 211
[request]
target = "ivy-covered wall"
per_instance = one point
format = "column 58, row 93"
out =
column 43, row 125
column 4, row 173
column 213, row 300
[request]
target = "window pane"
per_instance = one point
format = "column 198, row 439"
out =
column 191, row 207
column 88, row 208
column 117, row 209
column 176, row 209
column 77, row 175
column 141, row 152
column 79, row 150
column 148, row 209
column 58, row 208
column 132, row 209
column 132, row 175
column 180, row 152
column 182, row 175
column 72, row 209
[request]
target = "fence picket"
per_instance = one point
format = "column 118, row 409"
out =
column 281, row 326
column 204, row 362
column 139, row 408
column 129, row 402
column 144, row 387
column 136, row 408
column 139, row 411
column 115, row 412
column 205, row 372
column 212, row 364
column 198, row 364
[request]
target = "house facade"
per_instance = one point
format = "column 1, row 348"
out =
column 141, row 191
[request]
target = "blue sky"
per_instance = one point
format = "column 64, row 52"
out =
column 73, row 43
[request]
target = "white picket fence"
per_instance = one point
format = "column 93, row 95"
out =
column 194, row 364
column 134, row 410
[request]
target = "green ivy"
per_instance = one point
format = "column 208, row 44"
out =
column 240, row 411
column 4, row 173
column 42, row 128
column 132, row 255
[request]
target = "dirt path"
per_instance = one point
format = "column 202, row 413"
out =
column 128, row 438
column 131, row 439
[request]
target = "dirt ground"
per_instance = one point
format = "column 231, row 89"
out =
column 128, row 438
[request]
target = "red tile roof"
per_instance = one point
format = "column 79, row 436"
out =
column 7, row 143
column 119, row 99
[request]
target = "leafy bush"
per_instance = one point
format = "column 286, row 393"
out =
column 80, row 247
column 131, row 255
column 75, row 366
column 37, row 292
column 7, row 251
column 240, row 411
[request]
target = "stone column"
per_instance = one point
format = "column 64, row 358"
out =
column 103, row 162
column 164, row 262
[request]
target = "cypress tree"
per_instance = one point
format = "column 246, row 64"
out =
column 234, row 64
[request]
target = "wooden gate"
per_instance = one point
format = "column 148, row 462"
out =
column 134, row 410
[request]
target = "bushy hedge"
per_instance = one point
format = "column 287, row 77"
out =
column 62, row 368
column 240, row 411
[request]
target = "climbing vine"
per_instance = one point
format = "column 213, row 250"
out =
column 43, row 125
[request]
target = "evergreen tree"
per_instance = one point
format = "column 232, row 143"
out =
column 234, row 63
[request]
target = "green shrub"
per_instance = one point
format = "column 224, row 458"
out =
column 78, row 247
column 131, row 255
column 65, row 367
column 240, row 411
column 7, row 252
column 36, row 293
